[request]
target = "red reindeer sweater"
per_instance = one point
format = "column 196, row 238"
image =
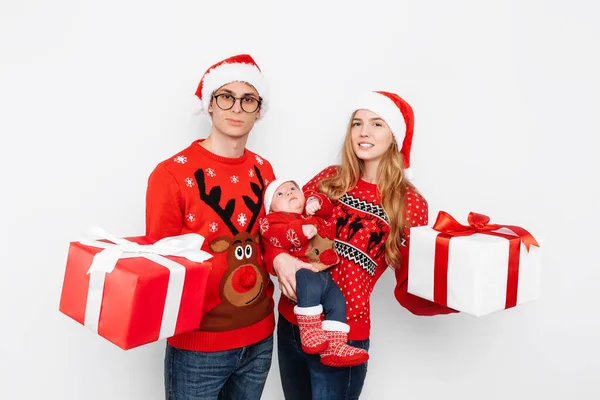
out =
column 220, row 198
column 361, row 230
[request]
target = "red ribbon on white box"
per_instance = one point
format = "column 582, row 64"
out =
column 104, row 262
column 478, row 223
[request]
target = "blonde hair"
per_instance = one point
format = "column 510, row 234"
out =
column 391, row 183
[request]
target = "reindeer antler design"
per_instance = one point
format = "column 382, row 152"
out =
column 252, row 206
column 345, row 209
column 380, row 224
column 214, row 198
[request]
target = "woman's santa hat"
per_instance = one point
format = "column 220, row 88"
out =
column 397, row 114
column 240, row 68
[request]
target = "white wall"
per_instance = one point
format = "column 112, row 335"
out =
column 94, row 93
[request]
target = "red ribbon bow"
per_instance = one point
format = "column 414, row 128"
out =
column 478, row 223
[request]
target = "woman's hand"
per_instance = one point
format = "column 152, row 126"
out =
column 285, row 267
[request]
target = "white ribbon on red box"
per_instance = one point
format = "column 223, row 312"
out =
column 104, row 262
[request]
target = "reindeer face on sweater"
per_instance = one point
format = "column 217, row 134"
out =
column 321, row 252
column 244, row 281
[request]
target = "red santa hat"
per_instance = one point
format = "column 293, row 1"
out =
column 239, row 68
column 270, row 191
column 397, row 114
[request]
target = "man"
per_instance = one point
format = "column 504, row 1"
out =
column 215, row 188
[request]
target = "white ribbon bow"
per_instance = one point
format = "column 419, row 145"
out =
column 104, row 262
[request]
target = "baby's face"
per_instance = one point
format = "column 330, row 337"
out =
column 288, row 198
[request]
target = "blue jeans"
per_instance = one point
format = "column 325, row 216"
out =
column 238, row 374
column 303, row 377
column 314, row 288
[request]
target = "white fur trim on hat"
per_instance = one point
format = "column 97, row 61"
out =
column 386, row 109
column 238, row 72
column 270, row 191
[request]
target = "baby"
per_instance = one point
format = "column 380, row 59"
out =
column 303, row 230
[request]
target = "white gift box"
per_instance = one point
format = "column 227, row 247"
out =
column 477, row 270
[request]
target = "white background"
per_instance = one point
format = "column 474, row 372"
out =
column 506, row 95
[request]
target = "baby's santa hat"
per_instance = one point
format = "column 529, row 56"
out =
column 239, row 68
column 270, row 191
column 397, row 114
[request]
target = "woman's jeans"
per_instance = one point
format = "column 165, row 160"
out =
column 238, row 374
column 303, row 377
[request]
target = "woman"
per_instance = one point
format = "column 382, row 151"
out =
column 375, row 205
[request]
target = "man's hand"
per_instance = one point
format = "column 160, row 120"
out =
column 309, row 231
column 312, row 206
column 285, row 267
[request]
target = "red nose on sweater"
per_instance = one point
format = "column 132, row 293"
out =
column 328, row 257
column 244, row 279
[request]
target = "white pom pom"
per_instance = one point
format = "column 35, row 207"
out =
column 196, row 107
column 408, row 174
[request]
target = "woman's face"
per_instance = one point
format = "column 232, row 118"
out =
column 371, row 136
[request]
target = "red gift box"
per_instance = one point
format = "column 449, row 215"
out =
column 145, row 294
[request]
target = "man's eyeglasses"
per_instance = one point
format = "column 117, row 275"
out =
column 225, row 101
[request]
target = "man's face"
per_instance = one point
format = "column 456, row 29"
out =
column 234, row 122
column 288, row 198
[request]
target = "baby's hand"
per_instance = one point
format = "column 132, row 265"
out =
column 312, row 206
column 309, row 231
